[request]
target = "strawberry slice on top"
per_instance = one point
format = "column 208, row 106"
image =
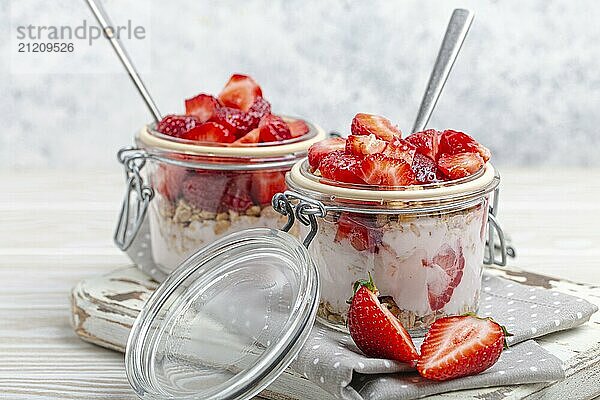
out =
column 317, row 151
column 273, row 129
column 460, row 346
column 400, row 149
column 297, row 128
column 340, row 167
column 238, row 122
column 454, row 142
column 210, row 132
column 366, row 124
column 364, row 144
column 375, row 330
column 177, row 125
column 460, row 165
column 377, row 169
column 202, row 106
column 426, row 142
column 251, row 137
column 240, row 92
column 426, row 170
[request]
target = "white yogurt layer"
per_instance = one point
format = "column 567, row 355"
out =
column 400, row 268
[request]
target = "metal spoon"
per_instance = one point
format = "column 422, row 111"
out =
column 457, row 30
column 106, row 25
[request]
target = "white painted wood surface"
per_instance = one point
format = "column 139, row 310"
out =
column 56, row 229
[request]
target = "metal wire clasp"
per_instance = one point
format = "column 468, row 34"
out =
column 132, row 215
column 493, row 229
column 306, row 210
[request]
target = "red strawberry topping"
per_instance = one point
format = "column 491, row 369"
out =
column 444, row 273
column 265, row 185
column 426, row 171
column 210, row 132
column 400, row 149
column 251, row 137
column 204, row 189
column 375, row 330
column 460, row 346
column 340, row 167
column 366, row 124
column 453, row 142
column 364, row 144
column 317, row 151
column 377, row 169
column 359, row 231
column 240, row 92
column 273, row 129
column 202, row 106
column 168, row 180
column 460, row 165
column 297, row 128
column 426, row 142
column 259, row 108
column 237, row 121
column 177, row 125
column 237, row 196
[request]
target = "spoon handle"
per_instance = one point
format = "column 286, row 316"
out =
column 457, row 30
column 106, row 25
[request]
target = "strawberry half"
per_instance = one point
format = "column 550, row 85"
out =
column 297, row 128
column 460, row 346
column 426, row 142
column 341, row 167
column 177, row 125
column 400, row 149
column 364, row 144
column 453, row 142
column 238, row 122
column 366, row 124
column 210, row 132
column 273, row 129
column 265, row 185
column 444, row 273
column 240, row 92
column 202, row 106
column 375, row 330
column 317, row 151
column 377, row 169
column 460, row 165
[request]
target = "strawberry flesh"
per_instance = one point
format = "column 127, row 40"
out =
column 460, row 165
column 460, row 346
column 273, row 129
column 319, row 150
column 361, row 145
column 260, row 108
column 177, row 125
column 202, row 106
column 341, row 167
column 251, row 137
column 366, row 124
column 426, row 142
column 265, row 185
column 426, row 170
column 377, row 169
column 453, row 142
column 298, row 128
column 168, row 180
column 204, row 189
column 400, row 149
column 444, row 273
column 375, row 330
column 237, row 196
column 236, row 121
column 210, row 132
column 240, row 92
column 359, row 231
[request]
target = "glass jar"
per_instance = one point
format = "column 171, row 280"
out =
column 197, row 193
column 423, row 245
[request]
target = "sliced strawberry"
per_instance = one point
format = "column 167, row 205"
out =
column 426, row 142
column 237, row 196
column 453, row 142
column 273, row 129
column 298, row 128
column 251, row 137
column 202, row 106
column 400, row 149
column 177, row 125
column 361, row 145
column 204, row 189
column 317, row 151
column 259, row 108
column 238, row 122
column 210, row 132
column 240, row 92
column 366, row 124
column 169, row 180
column 460, row 346
column 460, row 165
column 444, row 273
column 361, row 232
column 375, row 330
column 426, row 170
column 265, row 185
column 377, row 169
column 341, row 167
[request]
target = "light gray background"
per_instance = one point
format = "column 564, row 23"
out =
column 527, row 83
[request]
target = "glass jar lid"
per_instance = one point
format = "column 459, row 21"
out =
column 227, row 322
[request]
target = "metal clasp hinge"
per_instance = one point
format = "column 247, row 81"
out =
column 306, row 210
column 494, row 229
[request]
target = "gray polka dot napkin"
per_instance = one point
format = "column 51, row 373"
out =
column 332, row 361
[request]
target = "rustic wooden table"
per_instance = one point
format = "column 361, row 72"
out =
column 56, row 229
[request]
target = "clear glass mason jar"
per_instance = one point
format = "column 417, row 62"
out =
column 195, row 193
column 423, row 245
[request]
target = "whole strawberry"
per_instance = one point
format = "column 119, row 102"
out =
column 460, row 346
column 375, row 330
